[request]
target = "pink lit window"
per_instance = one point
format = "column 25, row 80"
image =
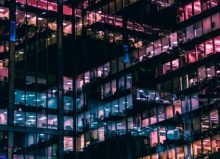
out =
column 181, row 14
column 213, row 3
column 175, row 64
column 217, row 44
column 192, row 56
column 188, row 11
column 162, row 135
column 169, row 112
column 166, row 67
column 153, row 138
column 209, row 47
column 153, row 117
column 197, row 7
column 200, row 51
column 206, row 25
column 145, row 121
column 211, row 72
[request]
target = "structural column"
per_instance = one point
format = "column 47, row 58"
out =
column 60, row 146
column 11, row 75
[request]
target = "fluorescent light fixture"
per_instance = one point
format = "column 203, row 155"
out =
column 39, row 18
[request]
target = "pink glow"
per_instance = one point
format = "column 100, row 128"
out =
column 43, row 5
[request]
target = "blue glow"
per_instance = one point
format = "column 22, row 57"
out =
column 13, row 31
column 126, row 54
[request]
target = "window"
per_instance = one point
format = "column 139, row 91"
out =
column 188, row 150
column 107, row 109
column 30, row 119
column 177, row 106
column 52, row 100
column 121, row 103
column 169, row 111
column 198, row 29
column 101, row 113
column 80, row 122
column 106, row 69
column 206, row 145
column 166, row 67
column 68, row 143
column 184, row 83
column 145, row 119
column 171, row 153
column 153, row 138
column 192, row 78
column 173, row 39
column 19, row 118
column 209, row 47
column 210, row 72
column 197, row 148
column 121, row 127
column 67, row 83
column 3, row 116
column 68, row 123
column 161, row 113
column 175, row 64
column 41, row 121
column 205, row 4
column 101, row 134
column 185, row 104
column 150, row 50
column 205, row 122
column 121, row 83
column 192, row 56
column 129, row 102
column 94, row 136
column 218, row 69
column 87, row 77
column 215, row 21
column 197, row 7
column 107, row 90
column 188, row 11
column 130, row 123
column 153, row 117
column 206, row 25
column 79, row 81
column 52, row 121
column 194, row 102
column 213, row 3
column 155, row 156
column 165, row 43
column 128, row 81
column 189, row 32
column 180, row 152
column 215, row 143
column 200, row 51
column 202, row 73
column 115, row 107
column 68, row 103
column 113, row 86
column 157, row 47
column 162, row 135
column 214, row 121
column 217, row 44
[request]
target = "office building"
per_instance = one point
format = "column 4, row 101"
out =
column 96, row 79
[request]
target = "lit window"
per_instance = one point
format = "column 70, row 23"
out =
column 68, row 143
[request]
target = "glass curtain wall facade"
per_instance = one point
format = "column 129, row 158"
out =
column 159, row 98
